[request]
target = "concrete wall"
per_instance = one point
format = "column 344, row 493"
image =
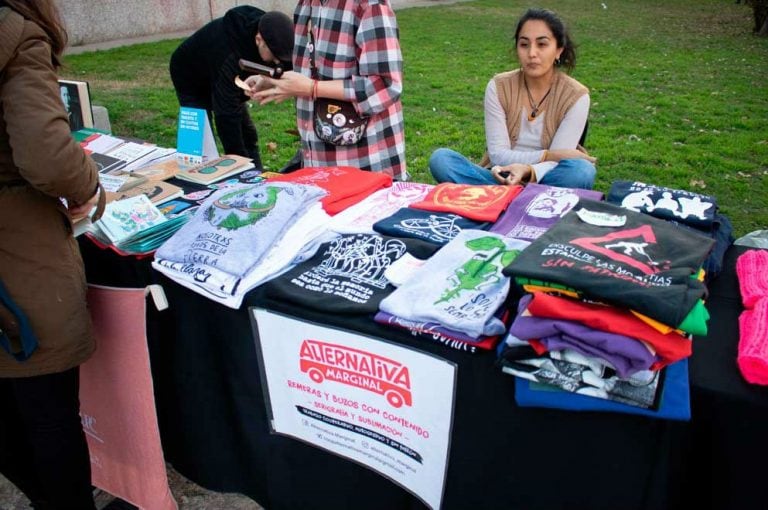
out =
column 91, row 22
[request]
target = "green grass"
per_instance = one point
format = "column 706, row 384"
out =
column 679, row 92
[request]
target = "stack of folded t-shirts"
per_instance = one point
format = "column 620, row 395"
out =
column 611, row 267
column 685, row 208
column 590, row 348
column 460, row 288
column 359, row 218
column 752, row 272
column 233, row 231
column 346, row 185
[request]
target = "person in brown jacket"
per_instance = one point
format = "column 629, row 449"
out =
column 46, row 330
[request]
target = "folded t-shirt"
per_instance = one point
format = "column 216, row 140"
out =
column 345, row 185
column 481, row 202
column 675, row 401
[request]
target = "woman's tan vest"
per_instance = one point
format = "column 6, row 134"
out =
column 512, row 96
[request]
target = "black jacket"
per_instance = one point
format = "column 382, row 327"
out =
column 203, row 69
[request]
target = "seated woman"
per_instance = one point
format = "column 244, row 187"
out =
column 534, row 116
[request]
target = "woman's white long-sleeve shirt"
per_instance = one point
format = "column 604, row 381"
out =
column 528, row 149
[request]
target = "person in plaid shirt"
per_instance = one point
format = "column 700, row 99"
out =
column 358, row 59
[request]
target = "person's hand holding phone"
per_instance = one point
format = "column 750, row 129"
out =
column 290, row 84
column 252, row 68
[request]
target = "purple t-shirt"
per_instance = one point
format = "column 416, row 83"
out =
column 626, row 354
column 537, row 208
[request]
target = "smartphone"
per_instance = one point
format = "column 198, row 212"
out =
column 254, row 68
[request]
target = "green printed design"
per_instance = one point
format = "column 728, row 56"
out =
column 242, row 207
column 491, row 254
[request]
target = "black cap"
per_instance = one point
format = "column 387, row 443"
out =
column 276, row 28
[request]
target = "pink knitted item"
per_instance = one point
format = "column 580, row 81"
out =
column 753, row 343
column 752, row 271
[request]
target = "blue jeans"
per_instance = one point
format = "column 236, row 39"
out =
column 448, row 165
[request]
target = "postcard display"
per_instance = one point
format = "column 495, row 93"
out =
column 387, row 407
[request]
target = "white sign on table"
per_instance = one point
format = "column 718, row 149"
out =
column 385, row 406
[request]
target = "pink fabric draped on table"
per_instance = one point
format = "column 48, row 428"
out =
column 117, row 403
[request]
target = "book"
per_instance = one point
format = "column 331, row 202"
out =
column 107, row 164
column 81, row 134
column 123, row 218
column 158, row 155
column 120, row 182
column 158, row 192
column 216, row 170
column 76, row 97
column 101, row 143
column 160, row 171
column 132, row 153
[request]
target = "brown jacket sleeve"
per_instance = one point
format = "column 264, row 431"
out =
column 44, row 151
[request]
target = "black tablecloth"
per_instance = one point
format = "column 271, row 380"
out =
column 215, row 429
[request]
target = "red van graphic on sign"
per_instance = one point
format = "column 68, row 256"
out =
column 358, row 368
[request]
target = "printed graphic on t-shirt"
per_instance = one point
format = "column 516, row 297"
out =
column 362, row 259
column 667, row 203
column 469, row 197
column 440, row 228
column 480, row 271
column 633, row 247
column 351, row 268
column 243, row 207
column 537, row 208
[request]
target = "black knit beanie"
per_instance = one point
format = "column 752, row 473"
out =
column 276, row 28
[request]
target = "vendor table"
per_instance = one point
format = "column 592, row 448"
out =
column 215, row 429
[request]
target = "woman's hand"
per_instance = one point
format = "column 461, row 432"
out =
column 267, row 90
column 560, row 154
column 513, row 174
column 77, row 211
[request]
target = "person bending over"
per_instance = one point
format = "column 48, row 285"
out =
column 534, row 116
column 204, row 66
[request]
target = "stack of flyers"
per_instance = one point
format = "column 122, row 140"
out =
column 150, row 239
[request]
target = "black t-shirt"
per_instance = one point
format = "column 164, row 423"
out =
column 645, row 264
column 346, row 275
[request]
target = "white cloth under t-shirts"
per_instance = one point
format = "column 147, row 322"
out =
column 528, row 149
column 359, row 218
column 461, row 286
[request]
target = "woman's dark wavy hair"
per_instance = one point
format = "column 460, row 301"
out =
column 45, row 14
column 559, row 30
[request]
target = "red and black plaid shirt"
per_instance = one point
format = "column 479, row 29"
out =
column 356, row 41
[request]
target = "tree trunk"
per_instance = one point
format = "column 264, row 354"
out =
column 760, row 12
